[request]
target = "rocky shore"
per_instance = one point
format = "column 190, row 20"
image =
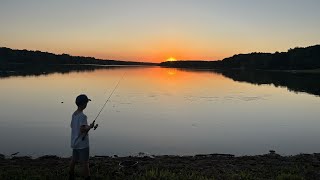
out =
column 210, row 166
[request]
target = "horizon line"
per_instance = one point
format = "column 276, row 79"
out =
column 143, row 61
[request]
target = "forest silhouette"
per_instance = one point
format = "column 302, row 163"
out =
column 293, row 59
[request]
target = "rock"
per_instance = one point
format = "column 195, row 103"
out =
column 272, row 152
column 201, row 156
column 101, row 156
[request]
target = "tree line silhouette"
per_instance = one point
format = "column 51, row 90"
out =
column 293, row 59
column 10, row 56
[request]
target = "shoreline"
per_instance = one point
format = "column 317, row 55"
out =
column 307, row 71
column 202, row 166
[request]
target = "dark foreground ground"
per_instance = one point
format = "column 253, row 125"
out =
column 214, row 166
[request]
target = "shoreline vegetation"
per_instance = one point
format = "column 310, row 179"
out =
column 304, row 60
column 206, row 166
column 11, row 56
column 36, row 63
column 296, row 60
column 23, row 62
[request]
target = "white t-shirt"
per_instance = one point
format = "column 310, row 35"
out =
column 77, row 121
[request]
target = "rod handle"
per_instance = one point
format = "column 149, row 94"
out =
column 94, row 128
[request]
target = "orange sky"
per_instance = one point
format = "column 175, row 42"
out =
column 142, row 30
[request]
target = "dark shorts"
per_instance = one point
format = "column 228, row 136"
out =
column 80, row 155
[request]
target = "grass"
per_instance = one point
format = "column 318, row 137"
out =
column 289, row 177
column 166, row 174
column 151, row 174
column 298, row 167
column 48, row 174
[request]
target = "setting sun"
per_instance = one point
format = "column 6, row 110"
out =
column 171, row 59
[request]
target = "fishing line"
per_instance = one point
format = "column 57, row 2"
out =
column 109, row 97
column 104, row 105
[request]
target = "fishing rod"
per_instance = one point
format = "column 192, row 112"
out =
column 95, row 127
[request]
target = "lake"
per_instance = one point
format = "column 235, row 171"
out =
column 163, row 111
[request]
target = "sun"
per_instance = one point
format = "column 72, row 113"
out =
column 171, row 59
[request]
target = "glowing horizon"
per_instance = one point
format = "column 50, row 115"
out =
column 171, row 59
column 153, row 31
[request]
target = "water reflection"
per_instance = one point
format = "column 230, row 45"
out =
column 158, row 110
column 296, row 82
column 25, row 70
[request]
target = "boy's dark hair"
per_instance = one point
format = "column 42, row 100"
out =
column 82, row 99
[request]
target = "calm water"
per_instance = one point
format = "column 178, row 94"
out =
column 158, row 111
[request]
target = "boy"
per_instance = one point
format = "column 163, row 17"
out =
column 80, row 146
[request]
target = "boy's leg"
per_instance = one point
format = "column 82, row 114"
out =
column 74, row 159
column 71, row 169
column 84, row 158
column 72, row 165
column 86, row 170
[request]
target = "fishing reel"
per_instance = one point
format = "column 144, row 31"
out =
column 95, row 126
